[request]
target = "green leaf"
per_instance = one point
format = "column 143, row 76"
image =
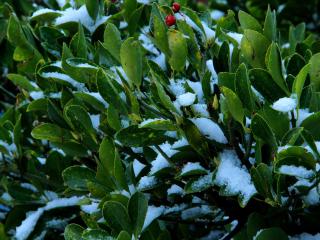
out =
column 96, row 234
column 159, row 30
column 264, row 84
column 93, row 8
column 311, row 124
column 78, row 44
column 165, row 99
column 160, row 124
column 315, row 71
column 270, row 25
column 138, row 206
column 243, row 88
column 255, row 223
column 21, row 81
column 73, row 232
column 76, row 177
column 134, row 136
column 262, row 179
column 131, row 60
column 299, row 81
column 117, row 216
column 123, row 235
column 274, row 65
column 262, row 131
column 254, row 47
column 234, row 105
column 249, row 22
column 112, row 40
column 109, row 92
column 178, row 50
column 51, row 132
column 79, row 119
column 272, row 233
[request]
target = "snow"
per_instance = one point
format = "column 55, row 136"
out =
column 95, row 119
column 216, row 14
column 202, row 182
column 196, row 212
column 175, row 208
column 61, row 3
column 197, row 88
column 175, row 189
column 188, row 20
column 313, row 196
column 147, row 182
column 29, row 187
column 302, row 115
column 233, row 176
column 150, row 120
column 137, row 167
column 146, row 41
column 152, row 213
column 43, row 11
column 191, row 166
column 90, row 208
column 186, row 99
column 210, row 129
column 65, row 78
column 98, row 97
column 158, row 164
column 305, row 236
column 213, row 72
column 143, row 1
column 200, row 109
column 80, row 15
column 177, row 86
column 235, row 36
column 285, row 104
column 26, row 227
column 299, row 171
column 42, row 160
column 86, row 65
column 208, row 31
column 180, row 143
column 160, row 60
column 123, row 24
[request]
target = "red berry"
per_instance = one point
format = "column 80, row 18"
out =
column 170, row 20
column 176, row 7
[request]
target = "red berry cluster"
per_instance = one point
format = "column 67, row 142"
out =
column 171, row 19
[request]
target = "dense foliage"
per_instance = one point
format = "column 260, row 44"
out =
column 153, row 120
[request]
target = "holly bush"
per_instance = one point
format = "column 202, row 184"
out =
column 152, row 120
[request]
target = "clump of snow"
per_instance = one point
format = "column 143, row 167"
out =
column 216, row 14
column 90, row 208
column 235, row 36
column 233, row 176
column 175, row 189
column 186, row 99
column 160, row 60
column 197, row 88
column 208, row 31
column 150, row 120
column 43, row 11
column 80, row 15
column 297, row 171
column 152, row 214
column 180, row 143
column 146, row 41
column 137, row 167
column 65, row 78
column 175, row 208
column 285, row 104
column 86, row 65
column 95, row 119
column 158, row 164
column 42, row 160
column 210, row 66
column 143, row 1
column 202, row 182
column 210, row 129
column 302, row 115
column 177, row 86
column 147, row 182
column 196, row 212
column 200, row 109
column 313, row 197
column 61, row 3
column 191, row 166
column 305, row 236
column 25, row 229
